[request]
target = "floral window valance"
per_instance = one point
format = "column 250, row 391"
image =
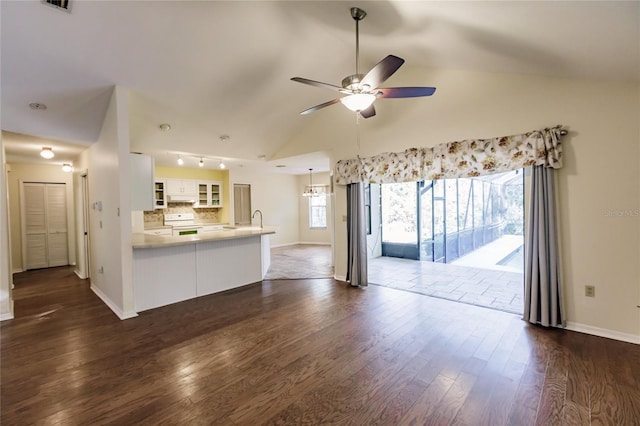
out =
column 468, row 158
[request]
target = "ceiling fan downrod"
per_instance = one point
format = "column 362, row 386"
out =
column 352, row 82
column 358, row 15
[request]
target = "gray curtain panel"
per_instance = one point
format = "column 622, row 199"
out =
column 356, row 236
column 543, row 286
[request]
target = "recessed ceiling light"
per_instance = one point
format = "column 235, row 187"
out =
column 262, row 157
column 37, row 106
column 281, row 166
column 165, row 127
column 47, row 153
column 224, row 138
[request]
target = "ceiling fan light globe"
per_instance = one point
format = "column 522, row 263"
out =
column 358, row 101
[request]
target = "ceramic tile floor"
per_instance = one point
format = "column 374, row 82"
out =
column 496, row 289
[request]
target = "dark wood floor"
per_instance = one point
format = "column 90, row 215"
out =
column 301, row 352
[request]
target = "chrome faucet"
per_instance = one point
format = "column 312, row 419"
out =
column 254, row 215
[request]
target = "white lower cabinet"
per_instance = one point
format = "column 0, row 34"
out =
column 223, row 265
column 162, row 276
column 166, row 275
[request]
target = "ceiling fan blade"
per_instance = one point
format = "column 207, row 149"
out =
column 382, row 71
column 319, row 84
column 369, row 112
column 406, row 92
column 317, row 107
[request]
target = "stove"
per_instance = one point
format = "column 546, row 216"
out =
column 182, row 223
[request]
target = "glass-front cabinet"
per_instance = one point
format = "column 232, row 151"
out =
column 209, row 194
column 160, row 194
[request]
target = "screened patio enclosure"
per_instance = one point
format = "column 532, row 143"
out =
column 444, row 220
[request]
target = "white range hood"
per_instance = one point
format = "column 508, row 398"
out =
column 180, row 199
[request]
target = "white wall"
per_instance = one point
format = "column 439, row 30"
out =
column 37, row 173
column 6, row 278
column 107, row 163
column 601, row 173
column 276, row 195
column 306, row 234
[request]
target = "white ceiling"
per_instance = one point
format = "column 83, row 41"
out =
column 211, row 68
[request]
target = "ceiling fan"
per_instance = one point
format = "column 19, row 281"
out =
column 362, row 90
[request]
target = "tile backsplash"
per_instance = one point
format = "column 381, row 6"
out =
column 154, row 218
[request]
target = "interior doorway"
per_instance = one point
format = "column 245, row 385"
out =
column 460, row 239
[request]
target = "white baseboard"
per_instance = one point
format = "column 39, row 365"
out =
column 314, row 243
column 116, row 310
column 75, row 271
column 340, row 278
column 299, row 242
column 283, row 245
column 603, row 332
column 6, row 316
column 17, row 271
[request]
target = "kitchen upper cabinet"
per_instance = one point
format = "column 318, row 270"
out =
column 142, row 192
column 182, row 188
column 209, row 194
column 160, row 191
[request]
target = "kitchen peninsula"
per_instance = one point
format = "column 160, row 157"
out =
column 170, row 269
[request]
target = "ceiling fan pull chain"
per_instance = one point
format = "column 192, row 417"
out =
column 358, row 131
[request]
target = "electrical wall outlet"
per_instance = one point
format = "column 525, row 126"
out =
column 590, row 291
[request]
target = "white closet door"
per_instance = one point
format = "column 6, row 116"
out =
column 56, row 217
column 35, row 226
column 45, row 217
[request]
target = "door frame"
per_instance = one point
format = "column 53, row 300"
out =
column 84, row 200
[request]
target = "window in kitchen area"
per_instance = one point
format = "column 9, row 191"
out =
column 318, row 211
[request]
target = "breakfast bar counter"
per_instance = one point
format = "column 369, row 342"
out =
column 155, row 241
column 170, row 269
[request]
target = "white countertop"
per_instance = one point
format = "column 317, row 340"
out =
column 154, row 241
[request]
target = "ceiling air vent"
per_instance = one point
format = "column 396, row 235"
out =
column 59, row 4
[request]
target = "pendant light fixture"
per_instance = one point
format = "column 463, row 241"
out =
column 309, row 190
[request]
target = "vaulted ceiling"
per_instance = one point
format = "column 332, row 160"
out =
column 213, row 68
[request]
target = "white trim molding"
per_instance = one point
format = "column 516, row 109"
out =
column 6, row 316
column 116, row 310
column 603, row 332
column 340, row 278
